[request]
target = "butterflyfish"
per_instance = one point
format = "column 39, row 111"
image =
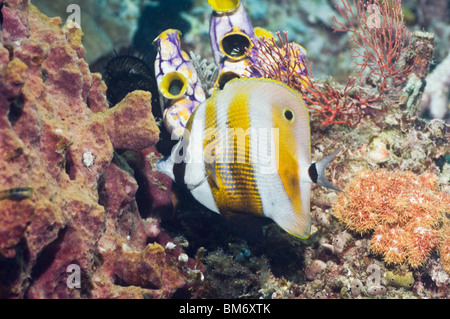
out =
column 247, row 149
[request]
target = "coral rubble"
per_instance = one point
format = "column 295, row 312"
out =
column 57, row 141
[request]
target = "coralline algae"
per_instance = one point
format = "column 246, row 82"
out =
column 58, row 139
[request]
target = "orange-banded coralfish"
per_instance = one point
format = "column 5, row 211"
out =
column 247, row 149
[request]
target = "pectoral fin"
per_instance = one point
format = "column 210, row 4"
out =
column 212, row 173
column 194, row 186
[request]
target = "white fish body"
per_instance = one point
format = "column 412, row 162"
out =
column 247, row 149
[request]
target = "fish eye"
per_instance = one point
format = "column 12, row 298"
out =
column 288, row 115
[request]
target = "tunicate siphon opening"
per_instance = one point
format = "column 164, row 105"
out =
column 234, row 45
column 174, row 85
column 224, row 5
column 226, row 77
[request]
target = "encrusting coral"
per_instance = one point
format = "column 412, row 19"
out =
column 405, row 211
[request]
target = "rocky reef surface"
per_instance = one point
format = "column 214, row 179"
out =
column 67, row 199
column 79, row 188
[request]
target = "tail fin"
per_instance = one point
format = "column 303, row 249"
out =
column 317, row 171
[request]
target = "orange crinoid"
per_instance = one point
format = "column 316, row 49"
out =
column 405, row 211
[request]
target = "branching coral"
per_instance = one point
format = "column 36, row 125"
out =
column 333, row 105
column 382, row 42
column 405, row 211
column 285, row 62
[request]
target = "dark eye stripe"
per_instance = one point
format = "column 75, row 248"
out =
column 312, row 171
